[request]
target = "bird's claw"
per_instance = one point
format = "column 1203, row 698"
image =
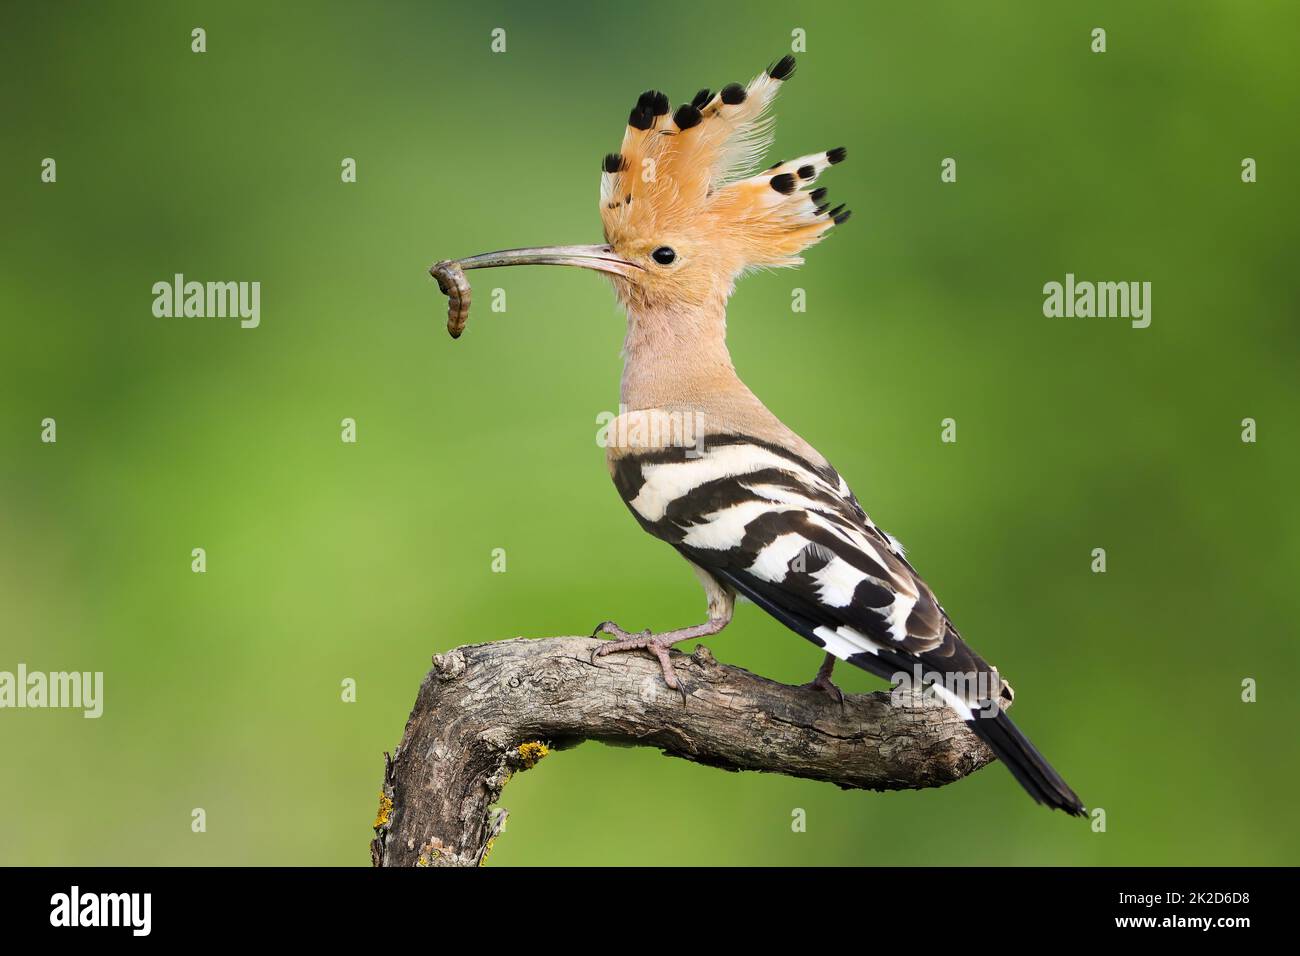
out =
column 620, row 635
column 825, row 686
column 642, row 640
column 822, row 682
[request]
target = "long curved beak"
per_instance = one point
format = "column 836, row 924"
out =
column 599, row 257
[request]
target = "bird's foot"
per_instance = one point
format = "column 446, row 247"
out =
column 826, row 686
column 822, row 682
column 657, row 644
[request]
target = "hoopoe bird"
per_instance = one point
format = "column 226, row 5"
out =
column 701, row 462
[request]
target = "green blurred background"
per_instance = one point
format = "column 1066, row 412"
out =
column 328, row 560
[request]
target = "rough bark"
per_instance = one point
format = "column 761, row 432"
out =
column 486, row 711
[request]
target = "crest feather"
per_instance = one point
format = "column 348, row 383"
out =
column 694, row 169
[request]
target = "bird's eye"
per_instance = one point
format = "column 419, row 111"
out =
column 663, row 255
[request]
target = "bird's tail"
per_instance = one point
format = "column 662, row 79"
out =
column 1025, row 762
column 1003, row 737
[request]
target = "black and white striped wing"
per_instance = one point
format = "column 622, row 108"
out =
column 791, row 536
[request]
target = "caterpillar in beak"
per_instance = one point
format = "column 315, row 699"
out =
column 453, row 284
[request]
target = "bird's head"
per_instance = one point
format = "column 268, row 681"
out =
column 684, row 214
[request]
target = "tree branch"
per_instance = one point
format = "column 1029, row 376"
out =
column 484, row 709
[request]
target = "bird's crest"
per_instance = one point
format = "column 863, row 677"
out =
column 691, row 171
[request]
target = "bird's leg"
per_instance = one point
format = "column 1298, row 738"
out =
column 722, row 602
column 822, row 681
